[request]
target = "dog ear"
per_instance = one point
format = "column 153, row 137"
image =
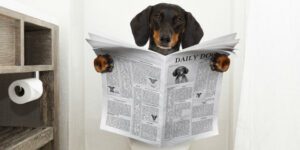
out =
column 140, row 26
column 175, row 73
column 185, row 70
column 193, row 32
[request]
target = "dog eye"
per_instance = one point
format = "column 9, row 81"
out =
column 157, row 16
column 179, row 19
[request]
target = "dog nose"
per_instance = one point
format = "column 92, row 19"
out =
column 165, row 39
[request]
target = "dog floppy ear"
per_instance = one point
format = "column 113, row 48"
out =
column 140, row 26
column 193, row 32
column 175, row 73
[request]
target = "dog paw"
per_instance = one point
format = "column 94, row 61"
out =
column 103, row 63
column 220, row 63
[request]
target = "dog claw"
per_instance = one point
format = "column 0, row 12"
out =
column 220, row 63
column 103, row 63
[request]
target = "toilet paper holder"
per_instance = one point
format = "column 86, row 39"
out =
column 37, row 75
column 26, row 90
column 20, row 90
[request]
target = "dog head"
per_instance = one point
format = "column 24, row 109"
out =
column 167, row 26
column 180, row 71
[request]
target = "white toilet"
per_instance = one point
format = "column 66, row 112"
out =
column 137, row 145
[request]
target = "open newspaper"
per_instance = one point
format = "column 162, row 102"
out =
column 160, row 99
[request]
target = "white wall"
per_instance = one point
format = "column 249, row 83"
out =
column 112, row 18
column 240, row 13
column 269, row 108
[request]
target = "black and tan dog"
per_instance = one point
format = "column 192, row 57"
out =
column 167, row 26
column 180, row 74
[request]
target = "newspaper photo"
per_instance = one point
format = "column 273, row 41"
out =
column 161, row 99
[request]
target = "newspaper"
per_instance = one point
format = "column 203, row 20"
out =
column 158, row 99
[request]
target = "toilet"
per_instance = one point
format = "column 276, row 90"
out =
column 137, row 145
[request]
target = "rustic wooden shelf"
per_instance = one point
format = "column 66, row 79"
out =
column 27, row 45
column 13, row 138
column 22, row 69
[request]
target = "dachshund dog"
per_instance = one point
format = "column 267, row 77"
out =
column 180, row 74
column 167, row 26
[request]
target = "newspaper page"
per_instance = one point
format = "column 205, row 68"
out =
column 132, row 94
column 191, row 95
column 157, row 99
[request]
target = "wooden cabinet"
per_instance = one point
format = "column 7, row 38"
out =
column 27, row 45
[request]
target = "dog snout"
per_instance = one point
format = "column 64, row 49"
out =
column 165, row 39
column 165, row 34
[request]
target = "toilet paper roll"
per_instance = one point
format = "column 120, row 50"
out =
column 25, row 90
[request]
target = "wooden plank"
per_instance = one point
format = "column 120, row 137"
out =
column 5, row 131
column 26, row 18
column 18, row 43
column 22, row 45
column 4, row 138
column 38, row 22
column 10, row 13
column 37, row 139
column 29, row 139
column 55, row 106
column 9, row 41
column 23, row 69
column 48, row 146
column 47, row 99
column 22, row 134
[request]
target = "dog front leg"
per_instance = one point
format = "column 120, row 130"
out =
column 220, row 63
column 103, row 63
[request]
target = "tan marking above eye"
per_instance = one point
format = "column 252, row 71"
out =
column 157, row 15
